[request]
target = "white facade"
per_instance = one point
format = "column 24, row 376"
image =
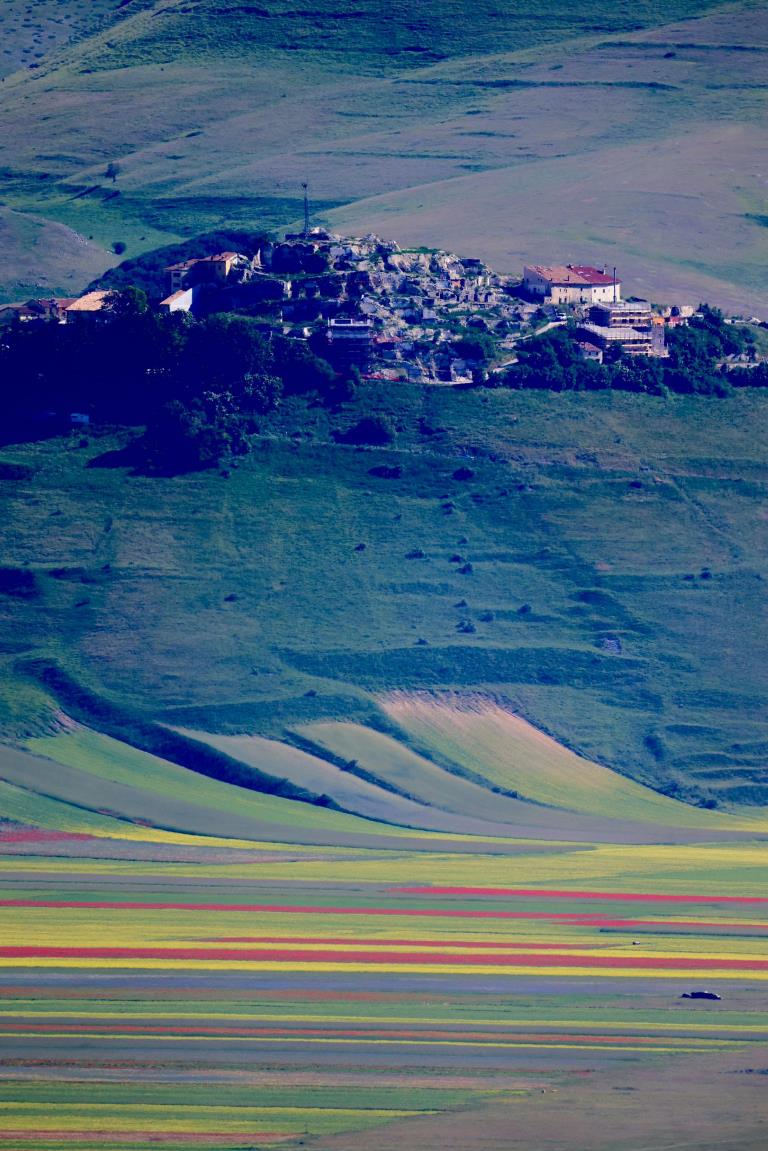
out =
column 570, row 284
column 180, row 301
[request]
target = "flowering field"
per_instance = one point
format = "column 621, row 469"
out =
column 165, row 988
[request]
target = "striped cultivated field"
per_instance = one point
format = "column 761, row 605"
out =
column 481, row 736
column 234, row 970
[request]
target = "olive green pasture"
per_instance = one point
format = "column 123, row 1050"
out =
column 614, row 599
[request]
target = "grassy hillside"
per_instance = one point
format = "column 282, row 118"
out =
column 33, row 29
column 616, row 546
column 362, row 36
column 597, row 132
column 481, row 736
column 90, row 770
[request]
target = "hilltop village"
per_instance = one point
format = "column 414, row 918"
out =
column 414, row 315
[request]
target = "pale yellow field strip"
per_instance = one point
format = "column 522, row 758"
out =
column 659, row 972
column 690, row 1046
column 421, row 1021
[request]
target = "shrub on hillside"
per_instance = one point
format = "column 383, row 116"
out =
column 475, row 345
column 375, row 430
column 17, row 582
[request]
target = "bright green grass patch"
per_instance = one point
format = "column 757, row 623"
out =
column 183, row 1116
column 28, row 807
column 242, row 1099
column 109, row 759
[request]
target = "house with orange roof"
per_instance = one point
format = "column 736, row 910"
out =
column 213, row 269
column 92, row 303
column 571, row 284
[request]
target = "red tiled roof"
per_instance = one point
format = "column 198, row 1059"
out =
column 90, row 302
column 573, row 274
column 185, row 265
column 591, row 275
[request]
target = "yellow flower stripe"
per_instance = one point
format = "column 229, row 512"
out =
column 153, row 964
column 592, row 1024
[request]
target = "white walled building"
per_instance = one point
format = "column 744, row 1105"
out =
column 571, row 284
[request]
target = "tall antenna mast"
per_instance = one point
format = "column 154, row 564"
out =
column 305, row 186
column 614, row 285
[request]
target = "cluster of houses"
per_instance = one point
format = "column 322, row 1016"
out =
column 396, row 313
column 61, row 309
column 392, row 313
column 603, row 321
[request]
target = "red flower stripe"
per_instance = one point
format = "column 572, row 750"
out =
column 581, row 918
column 391, row 958
column 37, row 835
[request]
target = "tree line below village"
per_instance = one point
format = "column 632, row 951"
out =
column 199, row 386
column 697, row 363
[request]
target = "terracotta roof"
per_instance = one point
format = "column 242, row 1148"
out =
column 90, row 302
column 185, row 265
column 173, row 296
column 20, row 308
column 592, row 275
column 575, row 274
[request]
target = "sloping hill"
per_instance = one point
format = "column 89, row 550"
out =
column 361, row 36
column 105, row 777
column 353, row 793
column 82, row 782
column 243, row 604
column 33, row 29
column 486, row 738
column 44, row 258
column 398, row 118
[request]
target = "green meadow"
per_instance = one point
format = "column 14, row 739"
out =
column 613, row 597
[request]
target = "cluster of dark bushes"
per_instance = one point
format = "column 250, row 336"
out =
column 696, row 365
column 198, row 386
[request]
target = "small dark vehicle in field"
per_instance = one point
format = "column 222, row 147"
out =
column 700, row 995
